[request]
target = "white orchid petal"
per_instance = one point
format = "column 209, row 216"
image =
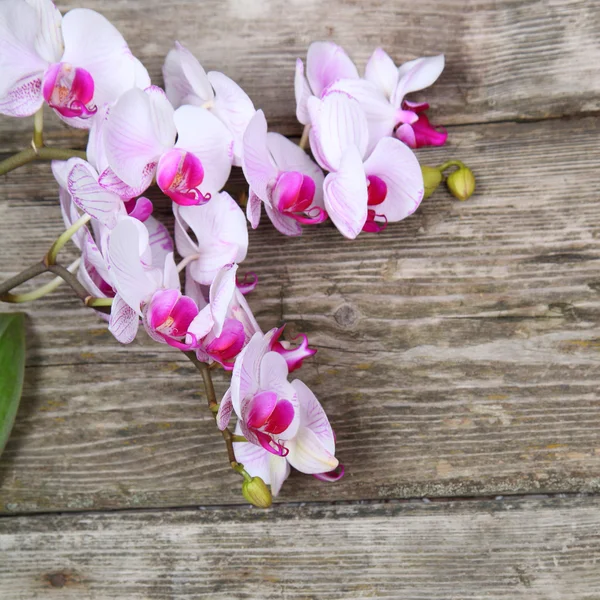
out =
column 313, row 417
column 327, row 62
column 416, row 75
column 233, row 107
column 127, row 244
column 221, row 231
column 202, row 134
column 222, row 291
column 338, row 122
column 253, row 209
column 93, row 43
column 257, row 163
column 186, row 81
column 346, row 194
column 396, row 164
column 283, row 223
column 159, row 241
column 308, row 455
column 132, row 144
column 303, row 93
column 382, row 72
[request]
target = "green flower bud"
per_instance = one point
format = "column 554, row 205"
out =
column 461, row 183
column 432, row 178
column 255, row 490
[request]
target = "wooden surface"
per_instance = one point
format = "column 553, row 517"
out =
column 459, row 351
column 486, row 550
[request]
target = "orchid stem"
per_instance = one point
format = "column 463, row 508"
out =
column 209, row 389
column 238, row 438
column 38, row 153
column 42, row 290
column 38, row 129
column 186, row 261
column 64, row 238
column 304, row 139
column 94, row 302
column 451, row 163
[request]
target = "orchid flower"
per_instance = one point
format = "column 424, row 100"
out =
column 184, row 148
column 283, row 177
column 285, row 420
column 360, row 193
column 186, row 82
column 76, row 63
column 225, row 323
column 220, row 232
column 145, row 277
column 261, row 396
column 381, row 95
column 326, row 63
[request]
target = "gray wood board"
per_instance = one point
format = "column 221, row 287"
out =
column 459, row 351
column 488, row 550
column 506, row 59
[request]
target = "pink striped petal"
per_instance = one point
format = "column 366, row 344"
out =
column 225, row 410
column 92, row 198
column 124, row 321
column 253, row 209
column 338, row 122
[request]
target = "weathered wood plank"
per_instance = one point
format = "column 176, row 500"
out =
column 505, row 59
column 458, row 350
column 475, row 550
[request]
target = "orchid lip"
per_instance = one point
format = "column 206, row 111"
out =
column 69, row 90
column 179, row 175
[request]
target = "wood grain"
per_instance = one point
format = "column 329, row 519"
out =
column 506, row 59
column 459, row 351
column 493, row 550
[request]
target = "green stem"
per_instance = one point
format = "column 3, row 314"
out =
column 304, row 139
column 451, row 163
column 214, row 405
column 38, row 128
column 42, row 290
column 64, row 238
column 94, row 302
column 30, row 154
column 238, row 438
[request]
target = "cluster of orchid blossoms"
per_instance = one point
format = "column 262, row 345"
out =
column 185, row 139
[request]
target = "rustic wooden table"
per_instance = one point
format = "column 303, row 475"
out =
column 459, row 351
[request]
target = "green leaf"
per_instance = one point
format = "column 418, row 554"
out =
column 12, row 369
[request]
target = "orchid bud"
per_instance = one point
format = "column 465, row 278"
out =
column 461, row 183
column 255, row 490
column 432, row 177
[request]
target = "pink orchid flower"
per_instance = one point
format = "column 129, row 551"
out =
column 283, row 177
column 278, row 418
column 361, row 191
column 326, row 63
column 261, row 396
column 220, row 236
column 225, row 322
column 184, row 148
column 145, row 277
column 381, row 95
column 186, row 82
column 75, row 63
